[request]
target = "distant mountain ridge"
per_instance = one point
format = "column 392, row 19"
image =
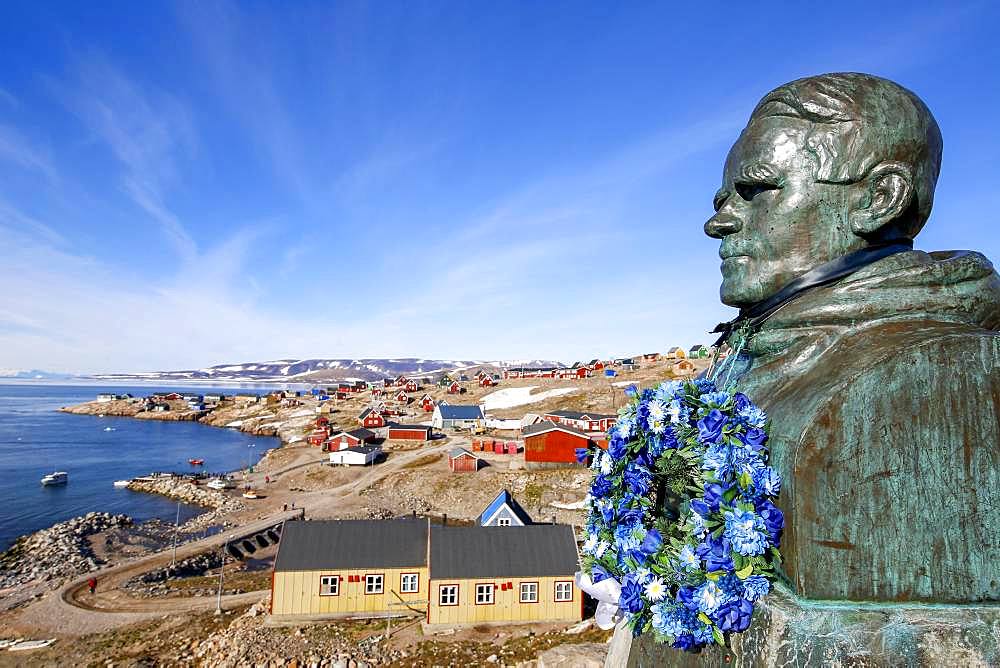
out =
column 323, row 370
column 32, row 374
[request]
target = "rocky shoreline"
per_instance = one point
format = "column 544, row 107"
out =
column 61, row 551
column 183, row 490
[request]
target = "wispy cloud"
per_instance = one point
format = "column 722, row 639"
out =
column 7, row 98
column 144, row 128
column 16, row 148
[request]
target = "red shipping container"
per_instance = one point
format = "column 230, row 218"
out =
column 498, row 447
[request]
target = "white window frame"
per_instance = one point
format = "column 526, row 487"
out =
column 328, row 583
column 531, row 589
column 503, row 521
column 447, row 595
column 409, row 578
column 370, row 581
column 563, row 591
column 484, row 593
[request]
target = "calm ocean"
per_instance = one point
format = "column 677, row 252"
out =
column 35, row 439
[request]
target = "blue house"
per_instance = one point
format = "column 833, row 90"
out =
column 504, row 511
column 457, row 416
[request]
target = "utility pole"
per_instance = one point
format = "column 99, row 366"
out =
column 222, row 570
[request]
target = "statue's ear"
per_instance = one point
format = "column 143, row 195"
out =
column 888, row 194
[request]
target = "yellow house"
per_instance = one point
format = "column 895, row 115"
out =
column 349, row 568
column 509, row 574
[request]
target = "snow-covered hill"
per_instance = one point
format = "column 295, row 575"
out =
column 321, row 370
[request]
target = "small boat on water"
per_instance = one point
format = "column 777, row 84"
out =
column 122, row 483
column 109, row 429
column 221, row 483
column 196, row 462
column 56, row 478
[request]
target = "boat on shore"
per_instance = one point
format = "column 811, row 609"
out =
column 250, row 494
column 221, row 483
column 55, row 478
column 196, row 462
column 122, row 483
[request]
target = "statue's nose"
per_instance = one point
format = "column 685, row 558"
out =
column 721, row 225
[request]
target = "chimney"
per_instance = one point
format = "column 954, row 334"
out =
column 444, row 522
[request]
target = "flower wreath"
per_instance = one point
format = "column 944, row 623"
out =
column 682, row 532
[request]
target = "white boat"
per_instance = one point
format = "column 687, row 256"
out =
column 122, row 483
column 250, row 494
column 109, row 429
column 221, row 483
column 56, row 478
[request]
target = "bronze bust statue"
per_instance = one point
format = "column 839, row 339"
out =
column 879, row 364
column 880, row 368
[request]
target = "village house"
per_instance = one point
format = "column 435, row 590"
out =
column 455, row 388
column 503, row 574
column 402, row 397
column 486, row 380
column 460, row 459
column 377, row 392
column 582, row 421
column 596, row 365
column 650, row 357
column 457, row 416
column 356, row 455
column 401, row 381
column 214, row 399
column 699, row 351
column 504, row 511
column 411, row 386
column 349, row 439
column 676, row 353
column 427, row 403
column 347, row 568
column 683, row 368
column 371, row 419
column 409, row 432
column 548, row 444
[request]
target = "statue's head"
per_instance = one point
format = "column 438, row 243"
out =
column 826, row 166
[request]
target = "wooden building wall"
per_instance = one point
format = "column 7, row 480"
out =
column 298, row 592
column 553, row 446
column 506, row 605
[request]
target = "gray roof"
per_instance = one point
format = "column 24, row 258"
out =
column 548, row 425
column 329, row 544
column 460, row 412
column 460, row 452
column 398, row 425
column 540, row 550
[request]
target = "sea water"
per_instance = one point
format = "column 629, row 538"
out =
column 36, row 439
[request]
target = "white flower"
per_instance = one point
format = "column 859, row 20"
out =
column 606, row 463
column 601, row 548
column 656, row 589
column 674, row 411
column 657, row 411
column 642, row 575
column 590, row 544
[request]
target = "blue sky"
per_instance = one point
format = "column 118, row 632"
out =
column 193, row 183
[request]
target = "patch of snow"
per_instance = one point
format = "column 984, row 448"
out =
column 235, row 424
column 519, row 396
column 625, row 383
column 576, row 505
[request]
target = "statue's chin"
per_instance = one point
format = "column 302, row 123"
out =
column 737, row 295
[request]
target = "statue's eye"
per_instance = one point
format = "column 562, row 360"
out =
column 750, row 190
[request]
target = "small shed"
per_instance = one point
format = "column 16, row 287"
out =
column 460, row 459
column 409, row 432
column 359, row 455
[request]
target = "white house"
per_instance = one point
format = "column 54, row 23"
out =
column 359, row 455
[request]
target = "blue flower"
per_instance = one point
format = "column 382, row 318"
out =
column 746, row 531
column 767, row 482
column 699, row 506
column 716, row 399
column 709, row 596
column 601, row 487
column 753, row 417
column 607, row 511
column 704, row 385
column 773, row 519
column 631, row 390
column 741, row 402
column 718, row 458
column 753, row 437
column 638, row 479
column 631, row 596
column 734, row 616
column 710, row 426
column 685, row 596
column 715, row 553
column 731, row 585
column 687, row 559
column 756, row 587
column 702, row 633
column 581, row 455
column 597, row 573
column 651, row 543
column 685, row 642
column 617, row 447
column 666, row 619
column 714, row 493
column 630, row 518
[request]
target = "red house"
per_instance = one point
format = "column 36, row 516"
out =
column 486, row 381
column 322, row 422
column 318, row 436
column 409, row 432
column 582, row 421
column 596, row 365
column 349, row 439
column 427, row 402
column 371, row 419
column 461, row 459
column 550, row 443
column 454, row 388
column 376, row 392
column 401, row 397
column 401, row 381
column 411, row 386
